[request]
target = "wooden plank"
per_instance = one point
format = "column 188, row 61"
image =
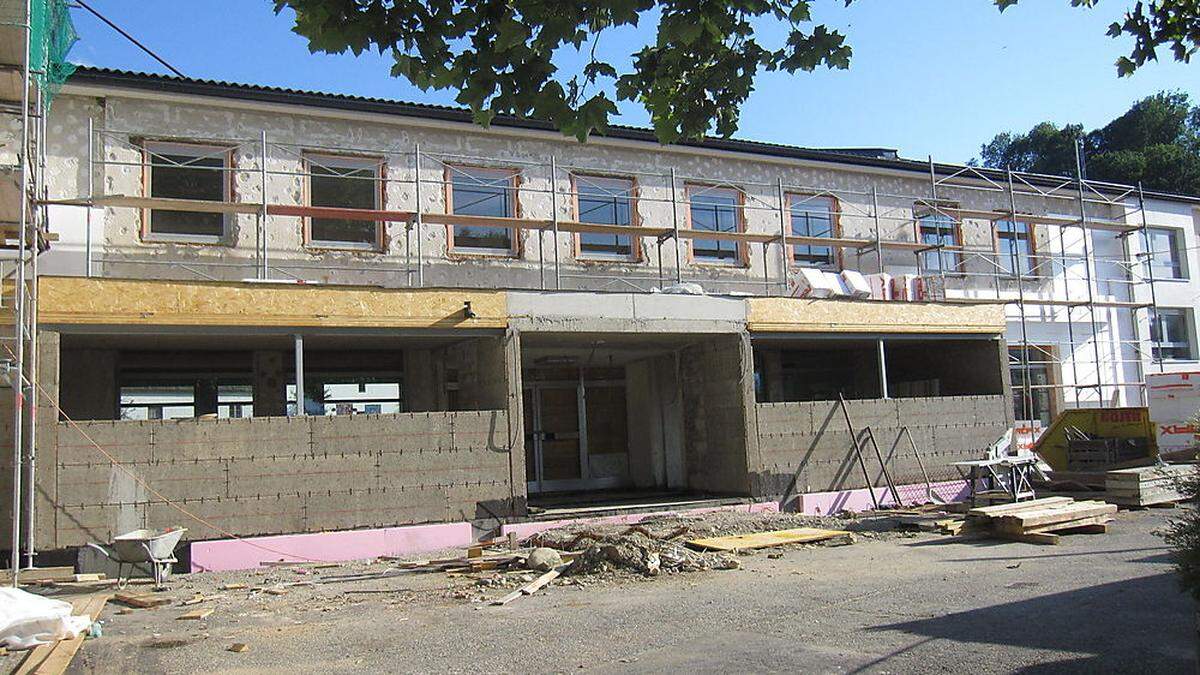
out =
column 165, row 204
column 1082, row 522
column 141, row 600
column 340, row 213
column 1044, row 538
column 1002, row 509
column 198, row 614
column 1034, row 519
column 1098, row 528
column 531, row 587
column 755, row 540
column 41, row 574
column 54, row 658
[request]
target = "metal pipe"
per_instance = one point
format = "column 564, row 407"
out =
column 40, row 190
column 784, row 251
column 1027, row 392
column 1155, row 345
column 1087, row 267
column 878, row 232
column 261, row 230
column 675, row 230
column 554, row 219
column 418, row 210
column 299, row 351
column 19, row 307
column 883, row 380
column 91, row 191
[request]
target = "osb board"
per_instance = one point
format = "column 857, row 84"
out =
column 736, row 542
column 813, row 315
column 78, row 300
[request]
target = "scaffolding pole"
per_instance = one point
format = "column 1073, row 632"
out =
column 1087, row 267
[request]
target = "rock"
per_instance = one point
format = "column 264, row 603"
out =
column 543, row 559
column 653, row 564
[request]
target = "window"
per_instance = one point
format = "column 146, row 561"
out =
column 185, row 171
column 1040, row 405
column 1014, row 243
column 1164, row 260
column 488, row 193
column 348, row 183
column 339, row 394
column 812, row 217
column 1171, row 334
column 605, row 201
column 936, row 228
column 715, row 210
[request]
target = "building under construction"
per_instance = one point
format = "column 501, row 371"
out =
column 254, row 311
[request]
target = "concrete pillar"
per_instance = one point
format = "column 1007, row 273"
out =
column 270, row 387
column 89, row 389
column 719, row 415
column 424, row 380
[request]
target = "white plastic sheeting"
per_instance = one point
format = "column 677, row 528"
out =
column 28, row 620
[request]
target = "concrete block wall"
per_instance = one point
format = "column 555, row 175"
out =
column 279, row 475
column 807, row 447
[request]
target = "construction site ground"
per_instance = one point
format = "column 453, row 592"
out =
column 890, row 602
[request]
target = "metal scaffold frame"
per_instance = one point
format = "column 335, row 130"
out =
column 1054, row 281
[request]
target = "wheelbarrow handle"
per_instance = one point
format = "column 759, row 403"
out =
column 108, row 552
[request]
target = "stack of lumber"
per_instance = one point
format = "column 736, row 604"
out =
column 1041, row 521
column 1146, row 486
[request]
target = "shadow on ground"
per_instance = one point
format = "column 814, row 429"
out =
column 1136, row 625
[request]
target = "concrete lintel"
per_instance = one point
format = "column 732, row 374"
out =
column 578, row 311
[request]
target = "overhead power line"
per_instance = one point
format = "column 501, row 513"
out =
column 129, row 37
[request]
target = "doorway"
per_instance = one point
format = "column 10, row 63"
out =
column 576, row 436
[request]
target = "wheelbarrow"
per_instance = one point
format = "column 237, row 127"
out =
column 156, row 547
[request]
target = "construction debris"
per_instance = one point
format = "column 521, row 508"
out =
column 238, row 647
column 198, row 614
column 1041, row 521
column 543, row 559
column 141, row 600
column 531, row 587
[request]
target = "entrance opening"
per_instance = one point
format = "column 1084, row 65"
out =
column 603, row 417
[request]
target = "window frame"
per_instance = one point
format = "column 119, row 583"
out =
column 635, row 220
column 835, row 224
column 198, row 149
column 1033, row 248
column 925, row 209
column 741, row 259
column 1157, row 346
column 515, row 245
column 367, row 161
column 1047, row 355
column 1177, row 249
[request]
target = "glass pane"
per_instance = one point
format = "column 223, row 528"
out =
column 605, row 201
column 714, row 211
column 175, row 176
column 938, row 230
column 161, row 402
column 344, row 187
column 812, row 217
column 482, row 193
column 1164, row 259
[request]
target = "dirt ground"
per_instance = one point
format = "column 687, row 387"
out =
column 890, row 602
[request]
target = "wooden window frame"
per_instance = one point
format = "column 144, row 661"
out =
column 839, row 260
column 515, row 247
column 742, row 259
column 922, row 209
column 635, row 220
column 145, row 235
column 1033, row 247
column 379, row 245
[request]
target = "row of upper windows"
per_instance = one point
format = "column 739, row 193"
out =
column 186, row 171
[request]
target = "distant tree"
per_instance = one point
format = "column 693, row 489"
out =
column 502, row 56
column 1157, row 143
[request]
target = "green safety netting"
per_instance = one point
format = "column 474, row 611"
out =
column 51, row 35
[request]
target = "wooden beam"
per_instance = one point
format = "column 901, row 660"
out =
column 340, row 213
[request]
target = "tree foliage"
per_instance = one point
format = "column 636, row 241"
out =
column 501, row 56
column 1157, row 143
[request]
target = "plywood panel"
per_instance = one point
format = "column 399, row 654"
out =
column 77, row 300
column 806, row 315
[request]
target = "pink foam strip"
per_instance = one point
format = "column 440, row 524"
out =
column 825, row 503
column 525, row 529
column 239, row 554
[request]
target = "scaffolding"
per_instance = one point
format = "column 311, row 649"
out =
column 35, row 36
column 1061, row 277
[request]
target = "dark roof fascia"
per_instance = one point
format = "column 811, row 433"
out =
column 106, row 77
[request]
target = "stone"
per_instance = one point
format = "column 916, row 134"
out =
column 543, row 559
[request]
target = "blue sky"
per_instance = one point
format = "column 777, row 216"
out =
column 928, row 77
